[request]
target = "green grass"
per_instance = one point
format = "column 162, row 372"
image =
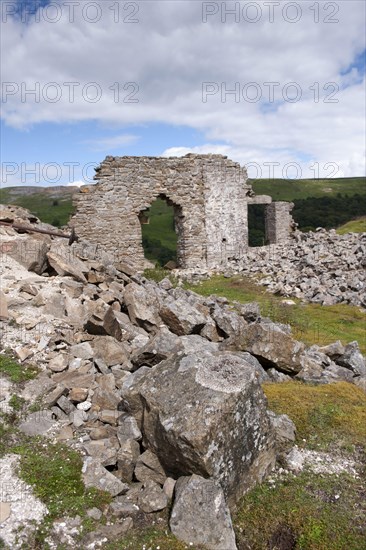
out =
column 15, row 371
column 325, row 415
column 305, row 508
column 54, row 471
column 161, row 225
column 150, row 538
column 354, row 226
column 288, row 190
column 311, row 323
column 304, row 511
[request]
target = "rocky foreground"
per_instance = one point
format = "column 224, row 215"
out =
column 157, row 387
column 320, row 267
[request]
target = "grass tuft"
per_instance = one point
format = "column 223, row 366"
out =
column 15, row 371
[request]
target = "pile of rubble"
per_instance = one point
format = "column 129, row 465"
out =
column 157, row 387
column 320, row 267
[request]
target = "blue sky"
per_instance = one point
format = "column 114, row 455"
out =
column 281, row 91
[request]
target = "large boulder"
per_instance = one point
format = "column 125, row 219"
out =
column 142, row 305
column 272, row 346
column 200, row 514
column 182, row 317
column 205, row 413
column 67, row 265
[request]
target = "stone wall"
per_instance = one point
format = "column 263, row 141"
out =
column 279, row 222
column 209, row 193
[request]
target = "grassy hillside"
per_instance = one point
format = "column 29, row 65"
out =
column 288, row 190
column 354, row 226
column 54, row 208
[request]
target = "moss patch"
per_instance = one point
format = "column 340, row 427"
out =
column 306, row 512
column 326, row 416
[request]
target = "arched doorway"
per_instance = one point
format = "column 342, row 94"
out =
column 162, row 232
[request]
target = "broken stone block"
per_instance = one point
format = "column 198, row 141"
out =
column 78, row 395
column 106, row 381
column 109, row 416
column 65, row 433
column 208, row 416
column 70, row 265
column 181, row 317
column 59, row 363
column 285, row 431
column 52, row 398
column 142, row 305
column 148, row 467
column 104, row 400
column 200, row 514
column 122, row 507
column 163, row 344
column 109, row 350
column 24, row 352
column 152, row 497
column 65, row 404
column 94, row 513
column 82, row 350
column 272, row 347
column 102, row 450
column 126, row 459
column 130, row 393
column 168, row 487
column 71, row 379
column 38, row 423
column 353, row 359
column 95, row 475
column 3, row 307
column 78, row 418
column 128, row 428
column 229, row 322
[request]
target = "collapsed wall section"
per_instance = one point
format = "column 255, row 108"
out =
column 210, row 197
column 208, row 193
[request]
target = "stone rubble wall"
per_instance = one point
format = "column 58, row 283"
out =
column 210, row 195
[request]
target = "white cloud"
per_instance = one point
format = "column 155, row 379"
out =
column 168, row 55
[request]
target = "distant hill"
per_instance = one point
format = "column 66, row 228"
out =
column 354, row 226
column 288, row 190
column 51, row 204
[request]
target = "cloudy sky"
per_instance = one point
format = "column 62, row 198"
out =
column 276, row 85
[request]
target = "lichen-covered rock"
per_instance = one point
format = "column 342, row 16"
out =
column 353, row 359
column 272, row 346
column 205, row 413
column 142, row 305
column 200, row 514
column 182, row 317
column 163, row 344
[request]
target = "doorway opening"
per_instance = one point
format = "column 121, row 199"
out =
column 161, row 232
column 256, row 225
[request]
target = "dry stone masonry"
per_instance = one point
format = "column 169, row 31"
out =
column 210, row 196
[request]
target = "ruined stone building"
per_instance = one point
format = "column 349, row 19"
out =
column 210, row 196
